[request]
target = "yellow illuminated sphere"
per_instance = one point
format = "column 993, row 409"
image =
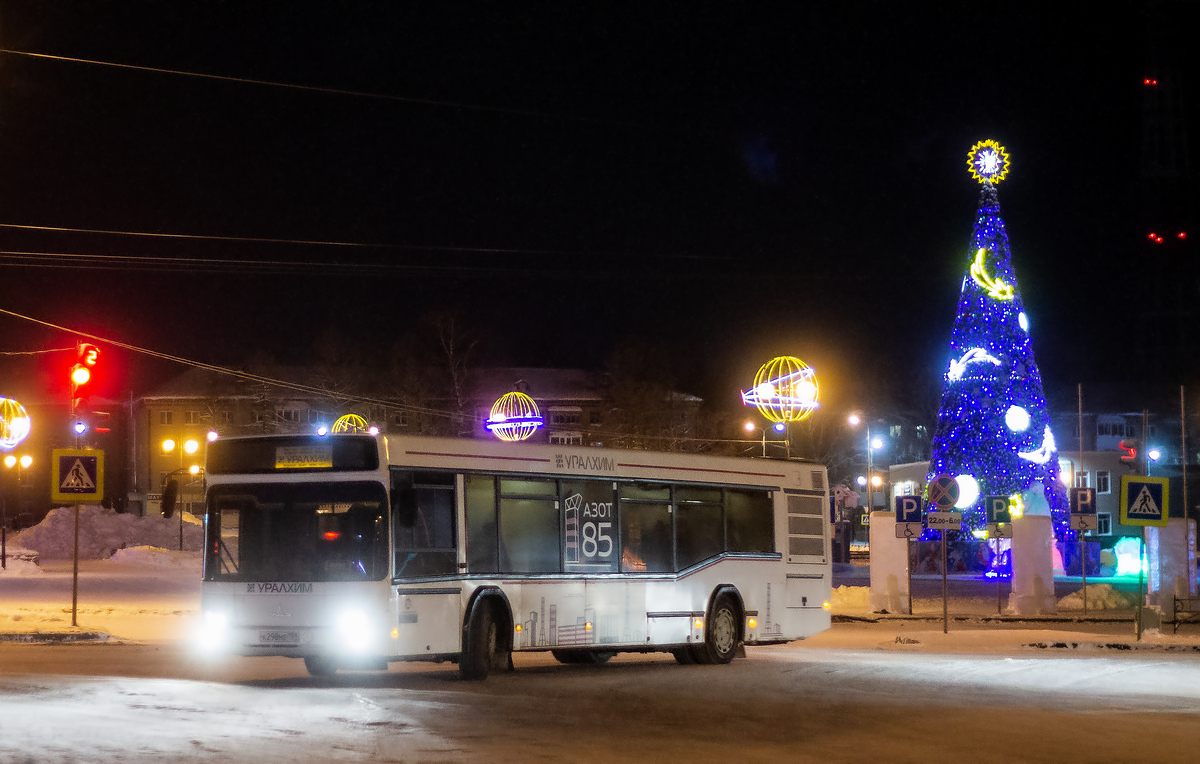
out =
column 514, row 417
column 14, row 423
column 988, row 162
column 785, row 390
column 350, row 423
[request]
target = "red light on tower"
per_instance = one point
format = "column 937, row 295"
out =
column 1150, row 81
column 1182, row 235
column 1152, row 235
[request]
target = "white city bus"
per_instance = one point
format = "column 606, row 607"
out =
column 351, row 551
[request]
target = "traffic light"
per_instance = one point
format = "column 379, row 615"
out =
column 83, row 373
column 1132, row 456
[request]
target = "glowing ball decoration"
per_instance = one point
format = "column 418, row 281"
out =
column 785, row 390
column 1017, row 419
column 14, row 423
column 350, row 423
column 968, row 491
column 988, row 162
column 514, row 417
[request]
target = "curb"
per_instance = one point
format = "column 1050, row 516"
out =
column 55, row 638
column 882, row 617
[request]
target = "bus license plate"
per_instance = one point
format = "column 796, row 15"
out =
column 279, row 637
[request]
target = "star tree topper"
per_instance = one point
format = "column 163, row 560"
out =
column 988, row 162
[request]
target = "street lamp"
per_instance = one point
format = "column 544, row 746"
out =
column 873, row 444
column 188, row 448
column 750, row 427
column 10, row 461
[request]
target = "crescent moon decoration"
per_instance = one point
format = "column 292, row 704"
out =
column 988, row 162
column 785, row 390
column 14, row 423
column 350, row 423
column 994, row 286
column 974, row 355
column 1043, row 454
column 514, row 417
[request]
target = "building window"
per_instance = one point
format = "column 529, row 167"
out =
column 566, row 439
column 1102, row 482
column 288, row 415
column 564, row 417
column 259, row 417
column 166, row 417
column 191, row 417
column 400, row 419
column 1081, row 479
column 223, row 417
column 1103, row 524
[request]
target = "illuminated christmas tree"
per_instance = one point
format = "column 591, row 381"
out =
column 993, row 432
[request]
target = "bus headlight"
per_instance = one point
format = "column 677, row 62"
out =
column 213, row 633
column 354, row 630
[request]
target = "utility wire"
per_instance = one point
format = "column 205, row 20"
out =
column 347, row 244
column 458, row 105
column 259, row 378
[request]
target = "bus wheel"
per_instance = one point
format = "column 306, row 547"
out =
column 684, row 656
column 721, row 637
column 485, row 649
column 565, row 656
column 320, row 665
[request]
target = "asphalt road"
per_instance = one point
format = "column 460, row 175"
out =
column 841, row 697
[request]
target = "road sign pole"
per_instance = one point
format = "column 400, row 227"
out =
column 1141, row 572
column 908, row 548
column 1083, row 567
column 999, row 611
column 75, row 574
column 945, row 597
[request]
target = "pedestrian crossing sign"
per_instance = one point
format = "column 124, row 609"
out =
column 77, row 475
column 1144, row 500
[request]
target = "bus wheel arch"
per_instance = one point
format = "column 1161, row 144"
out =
column 487, row 635
column 723, row 621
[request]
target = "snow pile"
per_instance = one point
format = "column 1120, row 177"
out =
column 850, row 599
column 104, row 531
column 1099, row 597
column 155, row 557
column 19, row 562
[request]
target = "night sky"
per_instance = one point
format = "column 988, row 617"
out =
column 726, row 182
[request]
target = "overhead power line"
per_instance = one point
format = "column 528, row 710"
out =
column 348, row 244
column 457, row 105
column 248, row 376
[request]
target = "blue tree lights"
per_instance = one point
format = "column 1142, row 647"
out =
column 993, row 431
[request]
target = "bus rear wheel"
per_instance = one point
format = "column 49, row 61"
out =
column 486, row 649
column 721, row 637
column 320, row 665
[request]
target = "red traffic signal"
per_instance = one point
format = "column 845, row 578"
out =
column 1130, row 446
column 86, row 356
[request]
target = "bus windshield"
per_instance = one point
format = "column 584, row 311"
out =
column 297, row 532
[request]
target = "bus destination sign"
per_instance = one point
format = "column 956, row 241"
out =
column 304, row 457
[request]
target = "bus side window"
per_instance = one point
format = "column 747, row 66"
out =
column 647, row 541
column 750, row 521
column 423, row 523
column 482, row 550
